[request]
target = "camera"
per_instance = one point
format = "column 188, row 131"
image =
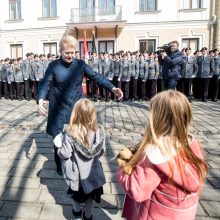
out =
column 162, row 49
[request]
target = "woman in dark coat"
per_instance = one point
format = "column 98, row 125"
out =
column 63, row 79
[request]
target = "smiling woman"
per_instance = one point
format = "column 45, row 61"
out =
column 63, row 79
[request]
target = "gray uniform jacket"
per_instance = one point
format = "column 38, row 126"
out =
column 80, row 164
column 153, row 69
column 37, row 71
column 1, row 72
column 134, row 68
column 206, row 66
column 18, row 73
column 4, row 72
column 117, row 68
column 217, row 65
column 96, row 65
column 125, row 73
column 189, row 67
column 46, row 63
column 26, row 69
column 143, row 70
column 10, row 75
column 107, row 68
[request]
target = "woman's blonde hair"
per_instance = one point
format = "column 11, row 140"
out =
column 67, row 42
column 169, row 119
column 83, row 119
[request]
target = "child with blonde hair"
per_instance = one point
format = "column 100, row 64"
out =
column 164, row 176
column 83, row 142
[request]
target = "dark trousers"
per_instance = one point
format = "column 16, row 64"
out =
column 170, row 84
column 151, row 88
column 203, row 88
column 141, row 86
column 19, row 90
column 125, row 89
column 133, row 88
column 160, row 85
column 27, row 89
column 101, row 92
column 94, row 88
column 0, row 89
column 195, row 85
column 187, row 87
column 5, row 85
column 57, row 159
column 213, row 87
column 88, row 88
column 107, row 93
column 117, row 84
column 33, row 89
column 12, row 90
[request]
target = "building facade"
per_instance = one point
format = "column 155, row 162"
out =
column 37, row 25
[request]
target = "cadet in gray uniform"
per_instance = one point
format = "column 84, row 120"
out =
column 34, row 76
column 214, row 81
column 5, row 66
column 107, row 71
column 134, row 76
column 26, row 76
column 125, row 76
column 142, row 78
column 206, row 68
column 19, row 80
column 188, row 73
column 153, row 72
column 1, row 73
column 11, row 80
column 96, row 66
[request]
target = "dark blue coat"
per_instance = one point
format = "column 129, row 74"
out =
column 172, row 66
column 65, row 89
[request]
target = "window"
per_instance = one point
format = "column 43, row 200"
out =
column 148, row 5
column 106, row 46
column 192, row 4
column 106, row 7
column 87, row 8
column 49, row 8
column 14, row 9
column 16, row 50
column 50, row 48
column 89, row 47
column 193, row 43
column 147, row 45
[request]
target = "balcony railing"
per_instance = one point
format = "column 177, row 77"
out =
column 95, row 14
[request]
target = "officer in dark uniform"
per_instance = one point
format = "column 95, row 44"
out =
column 1, row 72
column 5, row 67
column 134, row 76
column 206, row 69
column 188, row 73
column 117, row 69
column 96, row 66
column 107, row 71
column 214, row 81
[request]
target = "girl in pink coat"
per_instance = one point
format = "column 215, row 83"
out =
column 163, row 178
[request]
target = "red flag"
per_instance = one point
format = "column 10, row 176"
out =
column 85, row 49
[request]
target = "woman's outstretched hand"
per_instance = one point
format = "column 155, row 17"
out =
column 117, row 92
column 41, row 107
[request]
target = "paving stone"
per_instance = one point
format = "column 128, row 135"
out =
column 215, row 182
column 117, row 189
column 200, row 211
column 21, row 210
column 25, row 172
column 55, row 184
column 21, row 182
column 19, row 194
column 214, row 173
column 212, row 208
column 55, row 196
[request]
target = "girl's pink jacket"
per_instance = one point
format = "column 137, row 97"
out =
column 149, row 195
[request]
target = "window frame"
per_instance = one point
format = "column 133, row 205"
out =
column 191, row 4
column 81, row 47
column 145, row 40
column 49, row 43
column 16, row 10
column 190, row 39
column 106, row 41
column 16, row 46
column 147, row 6
column 49, row 8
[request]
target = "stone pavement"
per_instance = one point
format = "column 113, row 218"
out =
column 30, row 187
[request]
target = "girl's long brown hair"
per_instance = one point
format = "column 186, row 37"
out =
column 170, row 116
column 83, row 119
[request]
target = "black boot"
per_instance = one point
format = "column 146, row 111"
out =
column 84, row 217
